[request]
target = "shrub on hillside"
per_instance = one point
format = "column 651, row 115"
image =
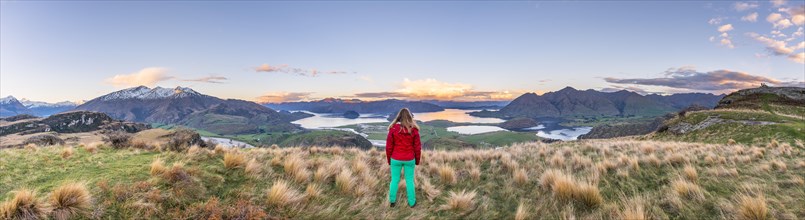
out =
column 118, row 139
column 44, row 140
column 182, row 139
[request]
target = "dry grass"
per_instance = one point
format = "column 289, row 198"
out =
column 514, row 182
column 520, row 177
column 344, row 181
column 281, row 194
column 92, row 147
column 253, row 168
column 633, row 210
column 70, row 201
column 447, row 174
column 689, row 172
column 295, row 166
column 751, row 207
column 67, row 152
column 460, row 201
column 313, row 191
column 158, row 167
column 522, row 212
column 687, row 189
column 475, row 174
column 234, row 160
column 24, row 205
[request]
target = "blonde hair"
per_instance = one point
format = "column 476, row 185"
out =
column 406, row 120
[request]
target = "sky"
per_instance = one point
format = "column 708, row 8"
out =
column 289, row 51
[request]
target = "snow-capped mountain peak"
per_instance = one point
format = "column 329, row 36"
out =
column 36, row 104
column 8, row 100
column 143, row 92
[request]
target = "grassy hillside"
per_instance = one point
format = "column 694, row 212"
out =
column 783, row 127
column 603, row 179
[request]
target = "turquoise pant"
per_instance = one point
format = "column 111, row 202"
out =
column 396, row 166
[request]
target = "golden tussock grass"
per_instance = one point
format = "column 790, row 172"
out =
column 520, row 177
column 92, row 147
column 632, row 210
column 31, row 147
column 460, row 201
column 157, row 167
column 67, row 152
column 220, row 149
column 431, row 192
column 234, row 160
column 24, row 205
column 313, row 191
column 281, row 194
column 253, row 168
column 522, row 212
column 689, row 172
column 195, row 149
column 751, row 207
column 344, row 181
column 294, row 166
column 475, row 174
column 686, row 189
column 447, row 174
column 70, row 201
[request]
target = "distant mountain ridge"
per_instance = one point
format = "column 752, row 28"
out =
column 10, row 106
column 339, row 106
column 185, row 106
column 570, row 102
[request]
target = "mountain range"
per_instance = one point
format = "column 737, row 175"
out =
column 10, row 106
column 569, row 102
column 184, row 106
column 339, row 106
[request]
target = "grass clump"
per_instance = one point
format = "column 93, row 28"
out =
column 24, row 205
column 69, row 201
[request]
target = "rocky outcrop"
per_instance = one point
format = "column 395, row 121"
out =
column 755, row 98
column 626, row 129
column 44, row 140
column 71, row 122
column 684, row 127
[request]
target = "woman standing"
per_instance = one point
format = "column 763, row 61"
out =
column 403, row 150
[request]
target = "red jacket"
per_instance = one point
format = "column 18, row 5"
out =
column 401, row 145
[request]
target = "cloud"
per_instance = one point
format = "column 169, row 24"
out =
column 689, row 78
column 797, row 14
column 773, row 17
column 750, row 17
column 725, row 28
column 776, row 47
column 799, row 58
column 277, row 97
column 715, row 21
column 209, row 79
column 743, row 6
column 284, row 68
column 727, row 43
column 145, row 77
column 777, row 3
column 433, row 89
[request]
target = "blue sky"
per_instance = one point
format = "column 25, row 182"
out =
column 285, row 51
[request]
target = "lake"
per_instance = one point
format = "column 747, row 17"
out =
column 319, row 120
column 548, row 128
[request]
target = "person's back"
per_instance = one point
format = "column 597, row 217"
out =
column 403, row 150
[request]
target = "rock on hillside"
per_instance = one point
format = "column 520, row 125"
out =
column 756, row 98
column 69, row 122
